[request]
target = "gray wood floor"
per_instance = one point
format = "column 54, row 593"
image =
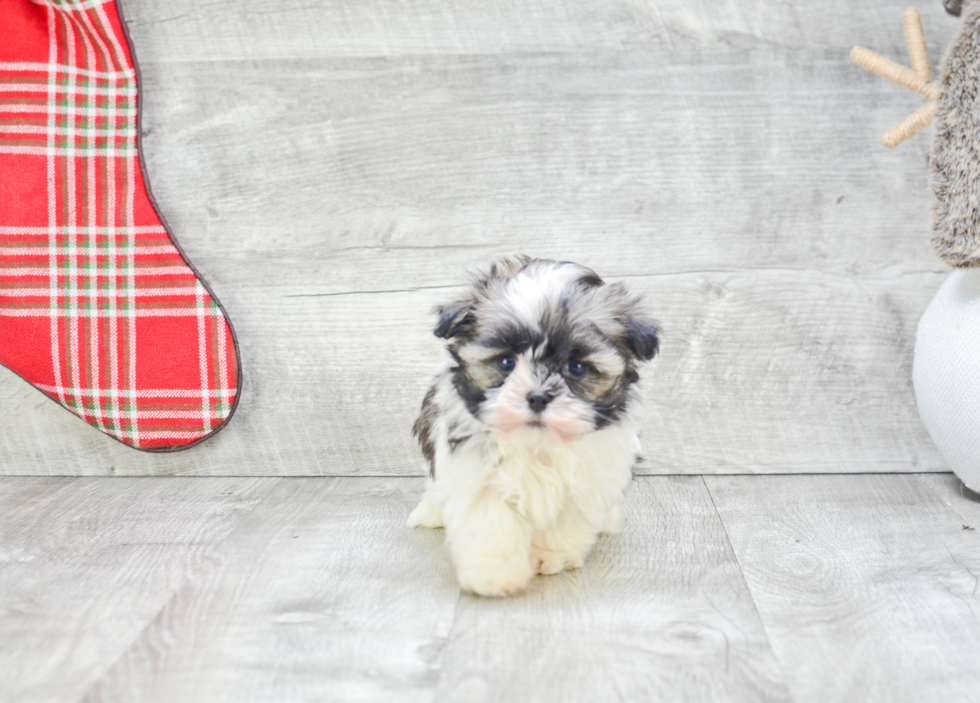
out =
column 335, row 168
column 744, row 588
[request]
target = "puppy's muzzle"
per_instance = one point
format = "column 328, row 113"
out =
column 538, row 401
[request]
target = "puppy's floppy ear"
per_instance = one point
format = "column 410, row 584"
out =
column 636, row 334
column 455, row 319
column 642, row 337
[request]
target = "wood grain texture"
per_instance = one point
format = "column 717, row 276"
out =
column 659, row 612
column 866, row 585
column 322, row 594
column 803, row 588
column 397, row 173
column 956, row 496
column 252, row 31
column 86, row 564
column 335, row 169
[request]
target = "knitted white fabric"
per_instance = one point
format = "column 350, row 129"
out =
column 946, row 373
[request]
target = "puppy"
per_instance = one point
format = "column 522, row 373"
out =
column 526, row 429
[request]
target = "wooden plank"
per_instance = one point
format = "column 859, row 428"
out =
column 403, row 172
column 659, row 612
column 87, row 564
column 866, row 585
column 322, row 594
column 182, row 30
column 761, row 372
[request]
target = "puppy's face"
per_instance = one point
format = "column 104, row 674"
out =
column 546, row 351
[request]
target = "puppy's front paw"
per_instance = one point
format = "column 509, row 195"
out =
column 495, row 578
column 546, row 562
column 425, row 515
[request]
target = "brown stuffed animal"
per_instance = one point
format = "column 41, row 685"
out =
column 955, row 102
column 956, row 149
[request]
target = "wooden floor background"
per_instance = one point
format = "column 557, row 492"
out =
column 806, row 588
column 335, row 168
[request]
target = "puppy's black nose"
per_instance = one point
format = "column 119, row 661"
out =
column 538, row 401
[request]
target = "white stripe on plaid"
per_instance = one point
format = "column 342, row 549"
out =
column 60, row 110
column 142, row 393
column 95, row 348
column 70, row 89
column 161, row 415
column 73, row 270
column 98, row 131
column 101, row 295
column 135, row 436
column 64, row 68
column 109, row 314
column 52, row 212
column 129, row 210
column 52, row 151
column 202, row 347
column 101, row 229
column 44, row 251
column 72, row 360
column 115, row 362
column 222, row 361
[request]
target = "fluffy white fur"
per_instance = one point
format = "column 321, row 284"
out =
column 524, row 493
column 518, row 505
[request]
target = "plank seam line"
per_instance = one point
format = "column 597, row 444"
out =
column 449, row 639
column 845, row 275
column 636, row 276
column 748, row 588
column 942, row 472
column 368, row 292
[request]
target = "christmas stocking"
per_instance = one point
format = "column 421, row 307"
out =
column 99, row 309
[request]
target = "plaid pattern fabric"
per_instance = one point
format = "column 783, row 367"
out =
column 98, row 309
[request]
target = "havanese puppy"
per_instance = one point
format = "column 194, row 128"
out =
column 527, row 428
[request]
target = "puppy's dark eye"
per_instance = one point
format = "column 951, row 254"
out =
column 506, row 363
column 576, row 369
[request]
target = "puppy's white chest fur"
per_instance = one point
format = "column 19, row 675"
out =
column 538, row 483
column 511, row 512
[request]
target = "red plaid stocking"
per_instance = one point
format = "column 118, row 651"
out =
column 98, row 308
